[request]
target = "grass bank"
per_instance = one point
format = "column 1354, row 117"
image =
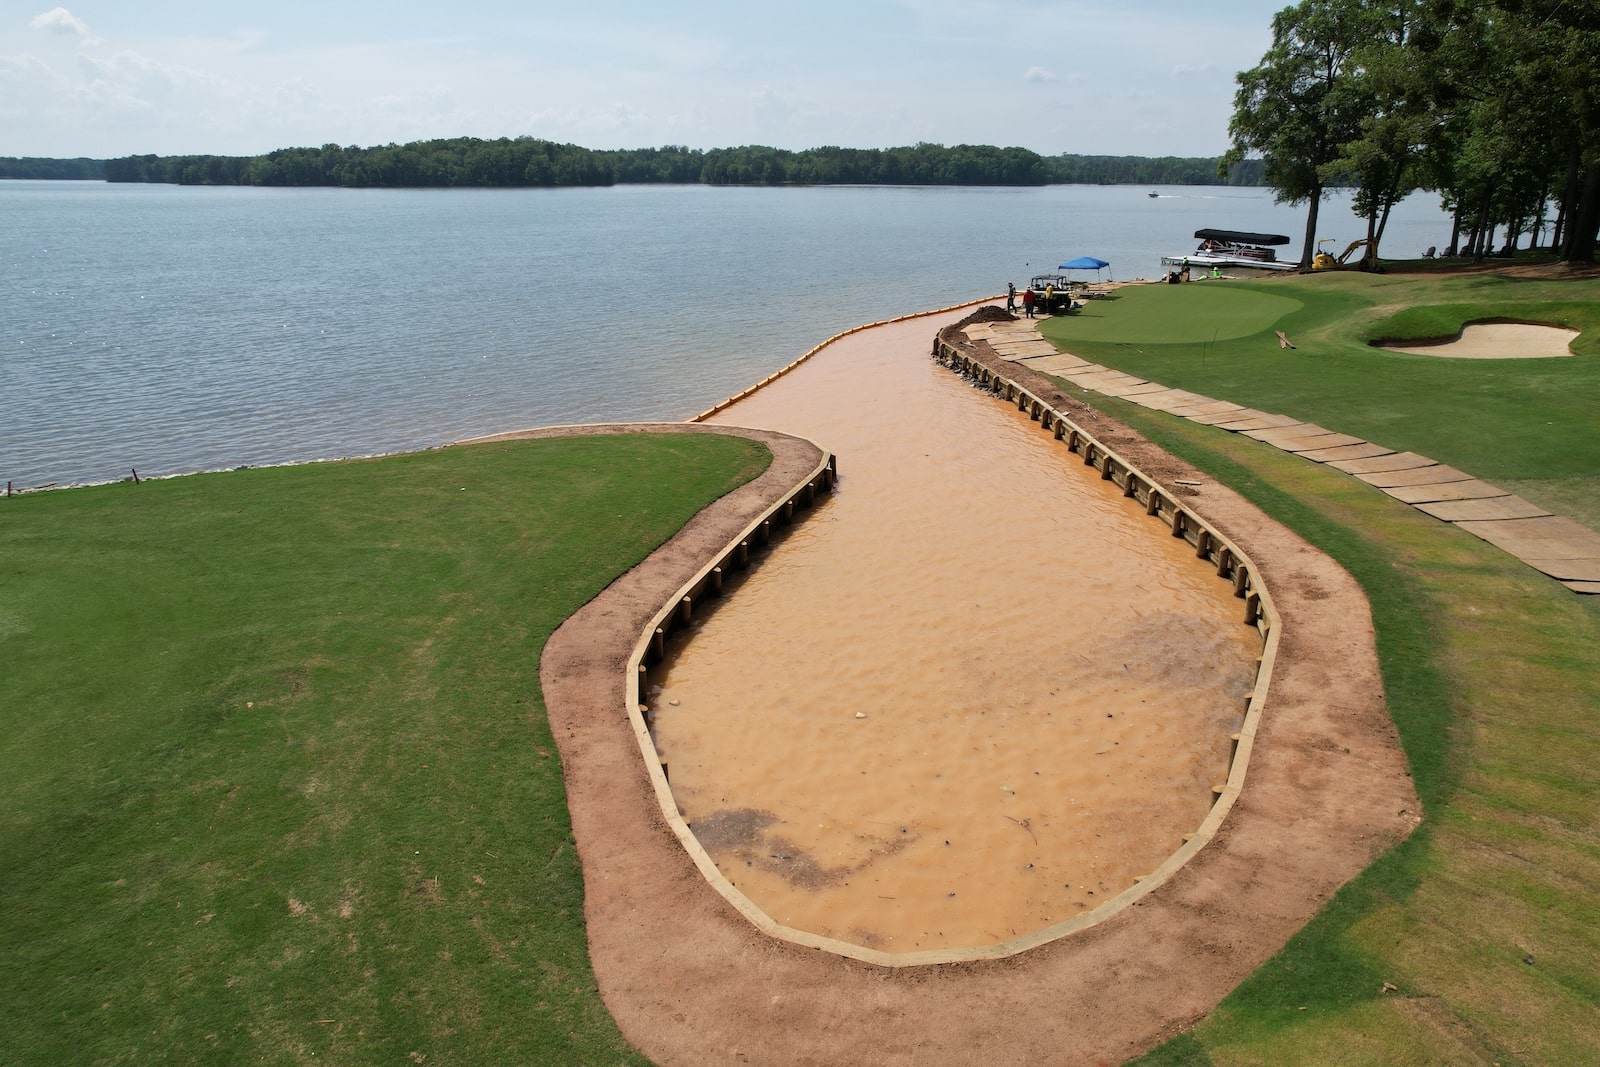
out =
column 279, row 784
column 1511, row 422
column 1477, row 941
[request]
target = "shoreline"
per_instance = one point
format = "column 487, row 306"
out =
column 689, row 980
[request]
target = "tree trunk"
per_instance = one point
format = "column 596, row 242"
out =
column 1569, row 204
column 1310, row 247
column 1455, row 232
column 1388, row 206
column 1585, row 219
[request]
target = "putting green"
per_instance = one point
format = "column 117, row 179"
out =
column 1172, row 314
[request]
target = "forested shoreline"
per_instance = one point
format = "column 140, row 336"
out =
column 1494, row 105
column 526, row 161
column 78, row 169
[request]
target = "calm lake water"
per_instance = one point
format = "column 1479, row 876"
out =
column 178, row 329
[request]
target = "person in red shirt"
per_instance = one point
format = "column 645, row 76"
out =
column 1027, row 302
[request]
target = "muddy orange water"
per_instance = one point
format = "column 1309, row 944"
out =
column 973, row 694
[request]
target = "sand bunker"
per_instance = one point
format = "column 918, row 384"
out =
column 1499, row 340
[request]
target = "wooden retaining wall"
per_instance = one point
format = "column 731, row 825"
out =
column 813, row 350
column 1210, row 546
column 1212, row 549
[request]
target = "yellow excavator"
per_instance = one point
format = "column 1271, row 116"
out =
column 1324, row 260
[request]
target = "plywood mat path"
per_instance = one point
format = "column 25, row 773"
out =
column 690, row 982
column 1558, row 547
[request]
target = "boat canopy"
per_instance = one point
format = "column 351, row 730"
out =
column 1239, row 237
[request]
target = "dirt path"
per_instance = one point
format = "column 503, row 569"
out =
column 690, row 982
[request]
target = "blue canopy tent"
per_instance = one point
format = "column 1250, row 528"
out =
column 1085, row 263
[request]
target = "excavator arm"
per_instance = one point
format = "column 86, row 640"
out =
column 1325, row 260
column 1344, row 257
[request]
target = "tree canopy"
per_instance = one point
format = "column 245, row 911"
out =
column 527, row 161
column 79, row 169
column 1494, row 104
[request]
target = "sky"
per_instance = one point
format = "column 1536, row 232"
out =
column 123, row 77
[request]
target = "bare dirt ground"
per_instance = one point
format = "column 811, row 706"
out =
column 691, row 982
column 1549, row 269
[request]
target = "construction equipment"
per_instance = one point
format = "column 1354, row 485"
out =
column 1324, row 260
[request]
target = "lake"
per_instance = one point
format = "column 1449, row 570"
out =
column 174, row 329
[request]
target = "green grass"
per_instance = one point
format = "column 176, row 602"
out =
column 1498, row 419
column 1223, row 313
column 1492, row 673
column 279, row 786
column 1486, row 923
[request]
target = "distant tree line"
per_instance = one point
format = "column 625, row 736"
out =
column 527, row 161
column 1158, row 170
column 1493, row 104
column 56, row 169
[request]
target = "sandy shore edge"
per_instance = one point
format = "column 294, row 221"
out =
column 690, row 981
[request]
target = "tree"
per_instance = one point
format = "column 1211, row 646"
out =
column 1392, row 71
column 1301, row 104
column 1560, row 59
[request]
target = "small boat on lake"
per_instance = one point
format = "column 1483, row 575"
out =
column 1231, row 249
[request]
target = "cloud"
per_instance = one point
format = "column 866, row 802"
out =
column 770, row 110
column 59, row 20
column 656, row 79
column 128, row 80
